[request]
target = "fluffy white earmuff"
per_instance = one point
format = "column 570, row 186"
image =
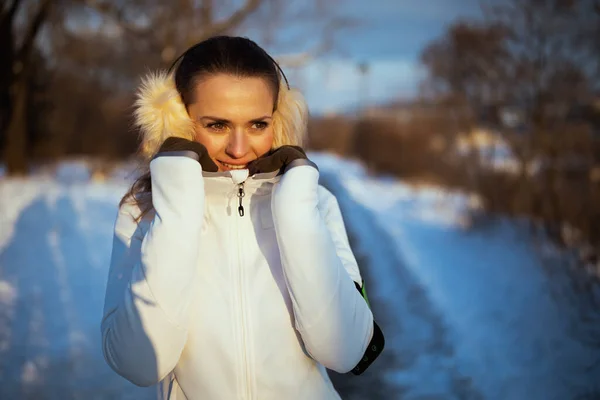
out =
column 159, row 112
column 290, row 118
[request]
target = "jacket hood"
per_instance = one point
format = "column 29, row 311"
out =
column 159, row 113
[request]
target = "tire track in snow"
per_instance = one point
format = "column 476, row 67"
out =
column 419, row 359
column 509, row 334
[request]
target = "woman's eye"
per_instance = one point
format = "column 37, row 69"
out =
column 216, row 126
column 259, row 125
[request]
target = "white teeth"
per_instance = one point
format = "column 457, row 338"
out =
column 233, row 166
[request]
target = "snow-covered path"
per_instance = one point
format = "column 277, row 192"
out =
column 419, row 360
column 54, row 253
column 510, row 336
column 467, row 314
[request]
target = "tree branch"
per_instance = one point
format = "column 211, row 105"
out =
column 116, row 14
column 234, row 19
column 297, row 60
column 9, row 14
column 206, row 13
column 34, row 28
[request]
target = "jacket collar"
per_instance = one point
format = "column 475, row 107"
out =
column 227, row 182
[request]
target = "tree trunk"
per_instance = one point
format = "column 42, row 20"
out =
column 7, row 53
column 15, row 149
column 15, row 146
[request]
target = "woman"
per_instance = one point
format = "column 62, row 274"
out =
column 231, row 275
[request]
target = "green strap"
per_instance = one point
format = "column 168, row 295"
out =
column 363, row 291
column 364, row 294
column 377, row 342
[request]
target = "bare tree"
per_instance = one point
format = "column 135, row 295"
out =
column 103, row 46
column 466, row 79
column 16, row 69
column 538, row 57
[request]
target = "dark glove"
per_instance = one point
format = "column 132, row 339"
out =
column 180, row 144
column 278, row 160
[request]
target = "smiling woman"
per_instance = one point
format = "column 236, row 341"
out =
column 214, row 304
column 233, row 119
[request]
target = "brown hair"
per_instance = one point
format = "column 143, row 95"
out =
column 161, row 108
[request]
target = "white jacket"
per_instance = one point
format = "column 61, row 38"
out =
column 214, row 305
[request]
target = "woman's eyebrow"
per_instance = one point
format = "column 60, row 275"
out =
column 261, row 118
column 214, row 118
column 225, row 121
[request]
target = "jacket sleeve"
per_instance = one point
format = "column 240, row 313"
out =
column 332, row 317
column 152, row 274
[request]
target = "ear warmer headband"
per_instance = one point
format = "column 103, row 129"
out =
column 159, row 113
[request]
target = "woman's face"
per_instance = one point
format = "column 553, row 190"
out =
column 233, row 119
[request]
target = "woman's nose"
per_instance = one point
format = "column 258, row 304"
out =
column 238, row 144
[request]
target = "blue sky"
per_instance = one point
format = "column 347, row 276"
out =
column 390, row 36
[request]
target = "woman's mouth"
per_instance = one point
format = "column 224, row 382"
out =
column 228, row 167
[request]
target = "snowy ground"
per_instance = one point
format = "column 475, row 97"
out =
column 468, row 314
column 505, row 333
column 55, row 241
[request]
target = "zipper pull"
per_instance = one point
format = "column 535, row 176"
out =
column 240, row 196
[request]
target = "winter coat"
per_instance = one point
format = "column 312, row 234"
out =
column 234, row 287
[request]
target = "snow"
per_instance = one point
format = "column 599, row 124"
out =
column 469, row 311
column 55, row 241
column 510, row 335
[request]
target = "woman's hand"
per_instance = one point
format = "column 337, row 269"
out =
column 180, row 144
column 278, row 160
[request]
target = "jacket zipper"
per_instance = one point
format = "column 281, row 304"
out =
column 242, row 295
column 240, row 196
